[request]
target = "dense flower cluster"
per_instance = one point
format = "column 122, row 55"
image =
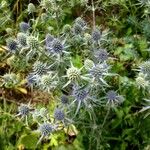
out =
column 47, row 76
column 52, row 69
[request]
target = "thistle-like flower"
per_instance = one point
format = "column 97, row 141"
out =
column 23, row 111
column 145, row 67
column 57, row 47
column 59, row 114
column 101, row 55
column 32, row 79
column 48, row 40
column 87, row 38
column 81, row 22
column 45, row 129
column 10, row 80
column 96, row 35
column 141, row 80
column 74, row 75
column 113, row 98
column 31, row 8
column 36, row 114
column 48, row 82
column 99, row 72
column 43, row 112
column 40, row 68
column 88, row 64
column 12, row 45
column 9, row 31
column 32, row 42
column 80, row 96
column 77, row 29
column 22, row 39
column 66, row 28
column 24, row 27
column 64, row 99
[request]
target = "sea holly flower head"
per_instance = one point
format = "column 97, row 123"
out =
column 81, row 97
column 145, row 67
column 31, row 8
column 45, row 129
column 101, row 55
column 98, row 72
column 66, row 28
column 48, row 40
column 77, row 29
column 141, row 80
column 96, row 35
column 32, row 42
column 12, row 45
column 64, row 99
column 22, row 39
column 88, row 64
column 113, row 98
column 56, row 46
column 79, row 94
column 24, row 111
column 10, row 80
column 40, row 68
column 48, row 81
column 24, row 27
column 81, row 22
column 32, row 79
column 74, row 75
column 59, row 114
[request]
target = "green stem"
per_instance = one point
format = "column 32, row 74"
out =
column 105, row 117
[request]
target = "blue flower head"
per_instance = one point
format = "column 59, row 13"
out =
column 24, row 27
column 59, row 114
column 113, row 98
column 64, row 99
column 48, row 40
column 81, row 22
column 22, row 39
column 96, row 35
column 12, row 45
column 101, row 55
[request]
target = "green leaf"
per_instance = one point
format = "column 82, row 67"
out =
column 53, row 141
column 29, row 141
